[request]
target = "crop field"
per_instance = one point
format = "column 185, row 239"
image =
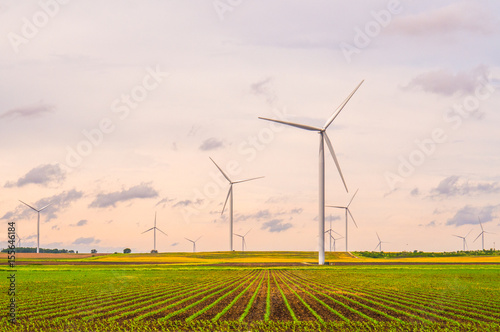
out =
column 115, row 298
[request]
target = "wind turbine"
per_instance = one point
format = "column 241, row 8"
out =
column 194, row 243
column 463, row 238
column 38, row 224
column 18, row 241
column 379, row 245
column 334, row 239
column 322, row 138
column 230, row 194
column 482, row 232
column 243, row 243
column 154, row 232
column 347, row 211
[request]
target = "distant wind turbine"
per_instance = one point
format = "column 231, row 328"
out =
column 38, row 224
column 230, row 194
column 194, row 242
column 330, row 231
column 347, row 211
column 379, row 245
column 482, row 233
column 154, row 232
column 464, row 240
column 18, row 241
column 243, row 243
column 323, row 137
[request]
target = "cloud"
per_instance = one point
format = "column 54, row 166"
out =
column 27, row 111
column 445, row 82
column 262, row 88
column 82, row 222
column 431, row 224
column 415, row 192
column 86, row 240
column 164, row 201
column 296, row 211
column 187, row 202
column 329, row 218
column 455, row 18
column 456, row 186
column 43, row 174
column 469, row 215
column 211, row 144
column 174, row 244
column 276, row 225
column 143, row 190
column 57, row 203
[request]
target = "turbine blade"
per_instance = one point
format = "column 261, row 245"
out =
column 478, row 236
column 298, row 125
column 237, row 235
column 227, row 197
column 197, row 239
column 247, row 232
column 352, row 197
column 480, row 224
column 377, row 246
column 161, row 231
column 28, row 205
column 458, row 236
column 148, row 230
column 378, row 236
column 240, row 181
column 337, row 233
column 334, row 206
column 46, row 206
column 352, row 218
column 334, row 158
column 336, row 113
column 220, row 169
column 468, row 233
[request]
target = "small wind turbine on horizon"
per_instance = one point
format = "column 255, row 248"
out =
column 379, row 245
column 323, row 137
column 330, row 231
column 230, row 194
column 482, row 233
column 464, row 240
column 347, row 211
column 38, row 224
column 243, row 242
column 154, row 232
column 18, row 241
column 194, row 242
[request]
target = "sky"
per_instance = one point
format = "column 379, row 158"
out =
column 111, row 111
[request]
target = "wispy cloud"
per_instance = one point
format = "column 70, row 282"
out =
column 82, row 222
column 43, row 175
column 457, row 186
column 27, row 111
column 276, row 225
column 211, row 143
column 263, row 88
column 141, row 191
column 86, row 240
column 469, row 215
column 187, row 202
column 57, row 203
column 455, row 18
column 164, row 201
column 265, row 214
column 445, row 82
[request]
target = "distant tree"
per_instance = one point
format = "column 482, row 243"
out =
column 93, row 251
column 71, row 251
column 127, row 251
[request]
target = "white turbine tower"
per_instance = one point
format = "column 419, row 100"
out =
column 154, row 232
column 322, row 138
column 379, row 245
column 482, row 233
column 194, row 242
column 230, row 194
column 243, row 242
column 347, row 211
column 38, row 224
column 464, row 240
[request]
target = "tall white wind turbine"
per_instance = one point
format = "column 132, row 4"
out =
column 322, row 138
column 194, row 242
column 482, row 233
column 38, row 224
column 243, row 242
column 230, row 194
column 154, row 232
column 347, row 211
column 464, row 239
